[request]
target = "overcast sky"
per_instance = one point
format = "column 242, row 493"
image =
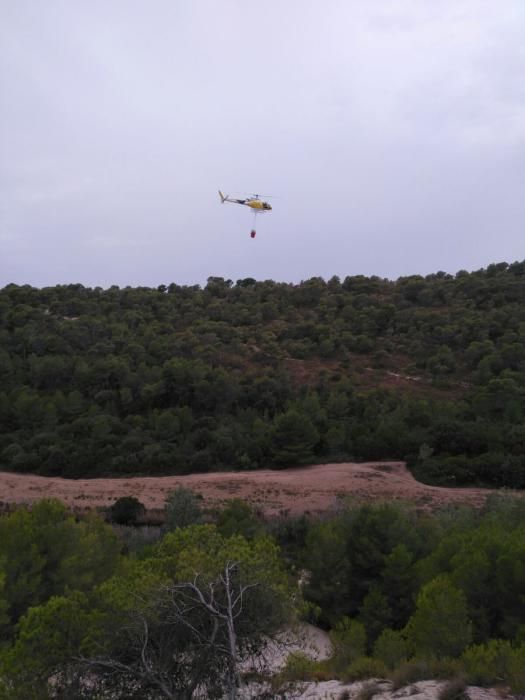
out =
column 391, row 133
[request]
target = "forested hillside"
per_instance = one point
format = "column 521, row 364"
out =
column 247, row 374
column 406, row 596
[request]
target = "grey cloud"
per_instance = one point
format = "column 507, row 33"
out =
column 393, row 134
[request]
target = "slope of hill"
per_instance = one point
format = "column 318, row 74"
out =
column 251, row 374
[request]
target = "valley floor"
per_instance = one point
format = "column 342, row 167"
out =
column 295, row 491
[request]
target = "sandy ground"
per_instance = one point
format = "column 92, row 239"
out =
column 292, row 491
column 334, row 690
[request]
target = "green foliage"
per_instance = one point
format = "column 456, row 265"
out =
column 126, row 510
column 369, row 552
column 375, row 613
column 459, row 565
column 410, row 672
column 187, row 613
column 293, row 439
column 48, row 637
column 299, row 667
column 486, row 561
column 183, row 378
column 440, row 626
column 348, row 639
column 4, row 603
column 364, row 667
column 493, row 662
column 202, row 549
column 417, row 669
column 182, row 508
column 238, row 518
column 391, row 648
column 45, row 552
column 192, row 572
column 517, row 670
column 326, row 561
column 456, row 576
column 81, row 599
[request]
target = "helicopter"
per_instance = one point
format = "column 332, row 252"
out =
column 255, row 203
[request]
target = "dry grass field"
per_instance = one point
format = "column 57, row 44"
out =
column 311, row 489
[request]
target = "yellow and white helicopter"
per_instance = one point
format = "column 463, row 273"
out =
column 255, row 203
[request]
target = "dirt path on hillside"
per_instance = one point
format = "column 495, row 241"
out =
column 291, row 491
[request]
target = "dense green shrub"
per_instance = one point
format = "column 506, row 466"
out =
column 364, row 667
column 410, row 672
column 391, row 648
column 488, row 663
column 440, row 626
column 349, row 642
column 126, row 510
column 182, row 508
column 298, row 667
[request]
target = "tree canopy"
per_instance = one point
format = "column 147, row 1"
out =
column 242, row 375
column 399, row 590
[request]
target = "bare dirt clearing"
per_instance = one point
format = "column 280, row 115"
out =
column 292, row 491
